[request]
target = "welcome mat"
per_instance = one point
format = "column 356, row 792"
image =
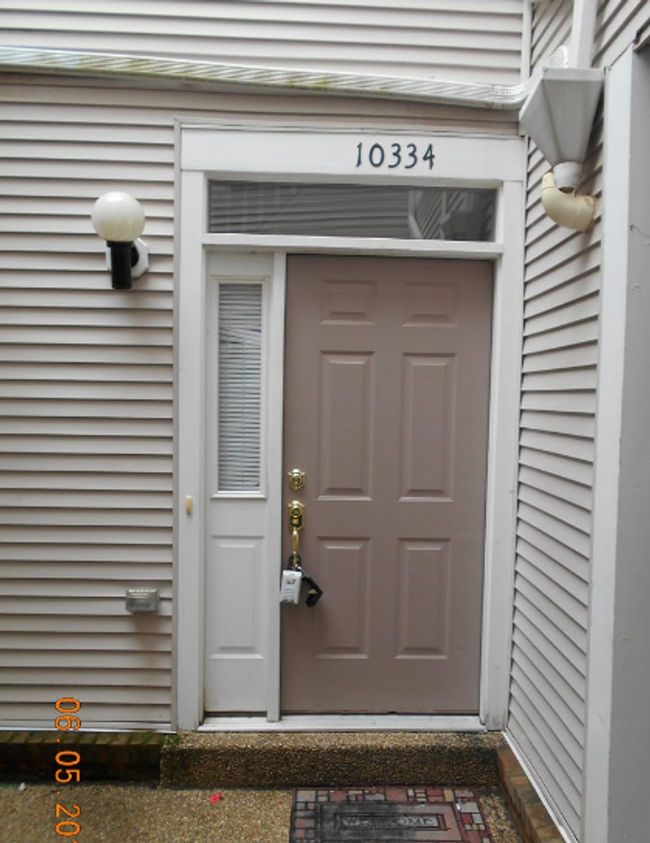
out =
column 389, row 815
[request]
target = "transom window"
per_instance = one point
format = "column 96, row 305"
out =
column 351, row 210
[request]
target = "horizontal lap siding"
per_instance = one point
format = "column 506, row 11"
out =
column 86, row 419
column 558, row 424
column 86, row 387
column 559, row 379
column 554, row 532
column 617, row 26
column 477, row 40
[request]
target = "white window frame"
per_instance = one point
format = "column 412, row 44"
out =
column 295, row 153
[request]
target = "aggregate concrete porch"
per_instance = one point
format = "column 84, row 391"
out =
column 356, row 759
column 259, row 769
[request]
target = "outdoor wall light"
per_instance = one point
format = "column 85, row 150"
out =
column 119, row 219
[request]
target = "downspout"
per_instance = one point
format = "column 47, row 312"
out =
column 570, row 210
column 558, row 115
column 583, row 30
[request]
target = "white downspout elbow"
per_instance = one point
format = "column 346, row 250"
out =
column 569, row 210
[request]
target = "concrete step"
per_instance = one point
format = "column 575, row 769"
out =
column 328, row 759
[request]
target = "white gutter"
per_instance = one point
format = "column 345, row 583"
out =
column 182, row 72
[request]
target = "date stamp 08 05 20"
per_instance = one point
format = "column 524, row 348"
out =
column 67, row 771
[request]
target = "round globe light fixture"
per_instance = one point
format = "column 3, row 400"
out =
column 119, row 219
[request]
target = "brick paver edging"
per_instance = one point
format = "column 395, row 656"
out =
column 535, row 824
column 129, row 756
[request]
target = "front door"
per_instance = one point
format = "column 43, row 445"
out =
column 387, row 383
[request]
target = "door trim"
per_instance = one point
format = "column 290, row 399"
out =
column 507, row 257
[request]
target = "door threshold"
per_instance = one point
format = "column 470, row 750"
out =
column 346, row 723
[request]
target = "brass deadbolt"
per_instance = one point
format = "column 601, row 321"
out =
column 296, row 479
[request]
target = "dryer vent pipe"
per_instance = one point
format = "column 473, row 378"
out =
column 567, row 209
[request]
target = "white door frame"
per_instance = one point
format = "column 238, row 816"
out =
column 293, row 153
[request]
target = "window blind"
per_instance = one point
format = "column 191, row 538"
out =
column 240, row 387
column 351, row 210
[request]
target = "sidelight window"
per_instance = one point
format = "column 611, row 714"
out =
column 239, row 402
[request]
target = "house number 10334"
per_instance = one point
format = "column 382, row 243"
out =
column 405, row 156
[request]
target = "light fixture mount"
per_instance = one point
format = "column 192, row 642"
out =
column 137, row 255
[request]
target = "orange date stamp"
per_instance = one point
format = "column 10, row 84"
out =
column 68, row 770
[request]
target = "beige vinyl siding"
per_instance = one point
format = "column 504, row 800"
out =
column 551, row 27
column 548, row 705
column 562, row 307
column 618, row 23
column 477, row 40
column 87, row 386
column 86, row 429
column 549, row 655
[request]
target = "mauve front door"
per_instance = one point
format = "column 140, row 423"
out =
column 386, row 411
